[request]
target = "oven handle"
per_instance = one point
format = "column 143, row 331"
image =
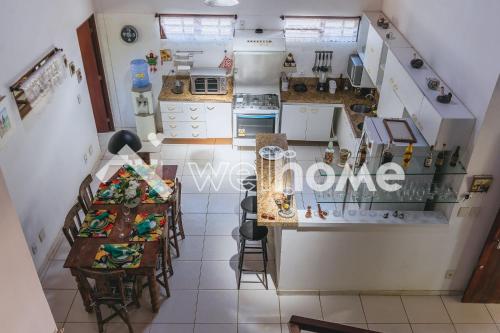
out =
column 257, row 116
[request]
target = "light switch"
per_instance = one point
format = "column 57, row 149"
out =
column 463, row 211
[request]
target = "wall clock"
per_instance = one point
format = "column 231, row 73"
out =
column 129, row 34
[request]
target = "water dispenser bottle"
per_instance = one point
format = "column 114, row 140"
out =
column 140, row 75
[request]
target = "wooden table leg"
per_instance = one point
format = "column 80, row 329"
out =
column 85, row 296
column 153, row 290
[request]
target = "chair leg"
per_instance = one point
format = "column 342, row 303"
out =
column 264, row 256
column 176, row 242
column 165, row 276
column 181, row 226
column 100, row 323
column 124, row 315
column 169, row 259
column 242, row 258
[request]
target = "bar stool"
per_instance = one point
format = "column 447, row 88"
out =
column 249, row 231
column 250, row 183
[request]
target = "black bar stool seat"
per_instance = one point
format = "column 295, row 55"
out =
column 250, row 232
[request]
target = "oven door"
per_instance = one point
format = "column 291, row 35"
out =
column 249, row 125
column 198, row 85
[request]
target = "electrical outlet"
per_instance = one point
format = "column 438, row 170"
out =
column 449, row 274
column 463, row 211
column 85, row 158
column 34, row 249
column 91, row 150
column 41, row 235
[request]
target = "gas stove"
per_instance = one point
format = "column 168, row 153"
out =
column 254, row 114
column 256, row 103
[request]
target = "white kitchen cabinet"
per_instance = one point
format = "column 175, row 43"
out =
column 346, row 137
column 319, row 122
column 389, row 105
column 373, row 52
column 294, row 121
column 307, row 122
column 183, row 120
column 404, row 86
column 398, row 91
column 219, row 120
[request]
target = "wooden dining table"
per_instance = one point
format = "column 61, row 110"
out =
column 84, row 250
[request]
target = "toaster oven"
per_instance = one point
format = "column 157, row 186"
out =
column 208, row 81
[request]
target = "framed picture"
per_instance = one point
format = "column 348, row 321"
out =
column 5, row 120
column 481, row 184
column 399, row 131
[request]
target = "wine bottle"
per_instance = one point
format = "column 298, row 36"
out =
column 428, row 158
column 454, row 157
column 407, row 156
column 440, row 157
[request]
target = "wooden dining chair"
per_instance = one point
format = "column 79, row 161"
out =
column 85, row 195
column 72, row 223
column 108, row 288
column 176, row 228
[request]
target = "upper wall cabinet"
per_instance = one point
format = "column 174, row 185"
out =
column 404, row 92
column 372, row 53
column 399, row 81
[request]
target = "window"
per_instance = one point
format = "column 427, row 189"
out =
column 197, row 27
column 323, row 29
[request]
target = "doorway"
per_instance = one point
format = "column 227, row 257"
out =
column 94, row 72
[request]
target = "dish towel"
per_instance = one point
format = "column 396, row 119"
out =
column 227, row 63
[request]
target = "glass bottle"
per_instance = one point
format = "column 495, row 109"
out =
column 428, row 158
column 329, row 153
column 407, row 156
column 440, row 157
column 455, row 157
column 387, row 155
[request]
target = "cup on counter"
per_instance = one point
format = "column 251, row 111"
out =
column 332, row 86
column 344, row 155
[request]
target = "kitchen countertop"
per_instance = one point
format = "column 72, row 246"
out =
column 267, row 182
column 315, row 97
column 167, row 95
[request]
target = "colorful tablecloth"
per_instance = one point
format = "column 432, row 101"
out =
column 113, row 256
column 98, row 224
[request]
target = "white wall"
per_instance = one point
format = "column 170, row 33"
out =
column 456, row 38
column 113, row 14
column 23, row 307
column 43, row 160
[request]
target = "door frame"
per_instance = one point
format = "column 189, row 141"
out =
column 101, row 72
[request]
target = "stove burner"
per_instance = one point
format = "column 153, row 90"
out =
column 262, row 102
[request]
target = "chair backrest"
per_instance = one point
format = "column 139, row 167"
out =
column 72, row 223
column 108, row 287
column 85, row 196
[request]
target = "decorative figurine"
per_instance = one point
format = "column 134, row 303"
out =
column 152, row 62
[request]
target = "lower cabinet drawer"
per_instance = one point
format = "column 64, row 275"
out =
column 184, row 130
column 183, row 116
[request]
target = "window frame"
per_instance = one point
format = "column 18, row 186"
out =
column 164, row 35
column 321, row 30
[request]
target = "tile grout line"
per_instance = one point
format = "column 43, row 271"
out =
column 406, row 312
column 363, row 309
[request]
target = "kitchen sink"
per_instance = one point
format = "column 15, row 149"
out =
column 361, row 108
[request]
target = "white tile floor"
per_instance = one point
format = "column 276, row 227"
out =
column 204, row 295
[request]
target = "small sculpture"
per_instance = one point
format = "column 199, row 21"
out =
column 152, row 60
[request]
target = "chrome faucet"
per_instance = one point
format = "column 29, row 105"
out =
column 370, row 97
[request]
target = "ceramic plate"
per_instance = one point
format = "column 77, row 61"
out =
column 271, row 153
